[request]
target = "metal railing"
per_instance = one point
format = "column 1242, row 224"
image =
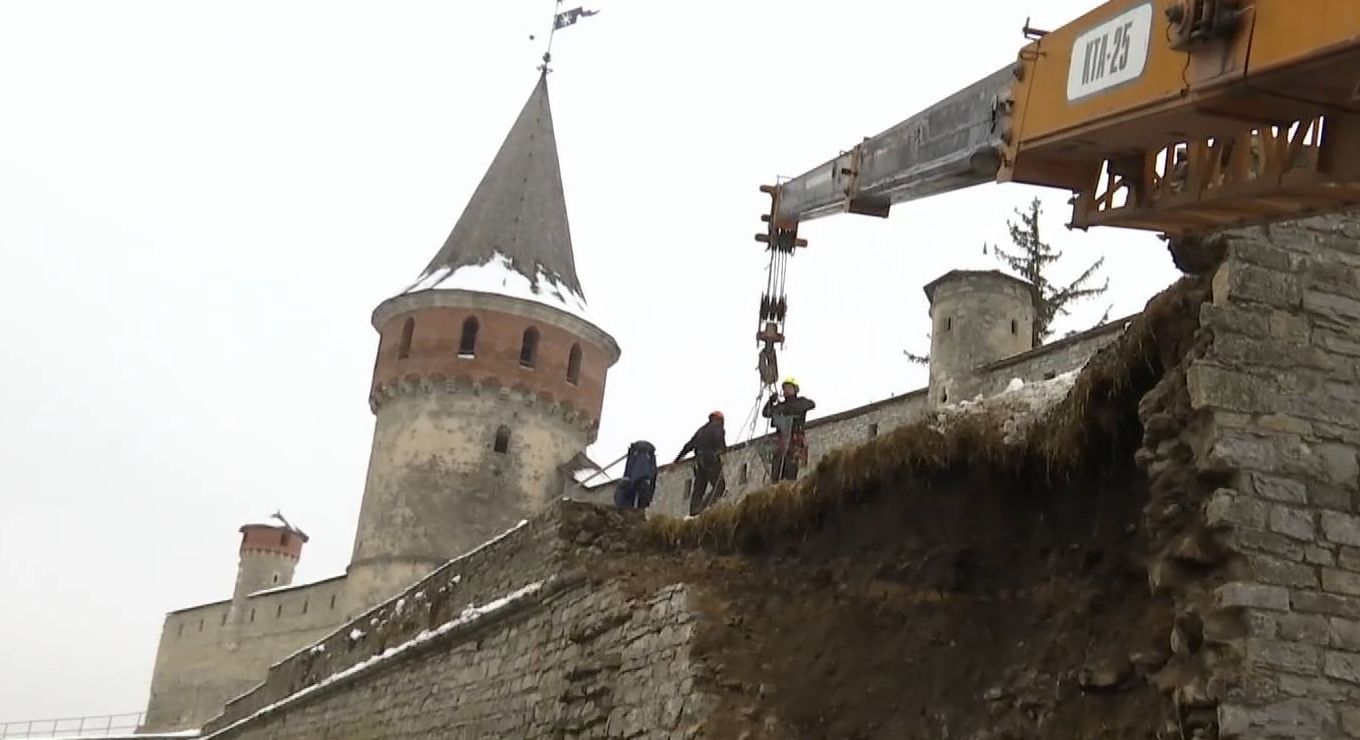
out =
column 105, row 725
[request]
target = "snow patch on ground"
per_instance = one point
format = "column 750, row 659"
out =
column 1018, row 408
column 499, row 276
column 470, row 614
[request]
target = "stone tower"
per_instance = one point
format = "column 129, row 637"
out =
column 489, row 377
column 269, row 554
column 976, row 317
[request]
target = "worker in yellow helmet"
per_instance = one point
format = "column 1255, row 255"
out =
column 789, row 416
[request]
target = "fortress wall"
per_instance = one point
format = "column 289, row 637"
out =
column 206, row 658
column 568, row 660
column 543, row 550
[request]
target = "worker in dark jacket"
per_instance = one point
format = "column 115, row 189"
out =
column 789, row 417
column 707, row 444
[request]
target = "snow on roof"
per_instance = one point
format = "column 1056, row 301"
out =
column 291, row 586
column 588, row 474
column 499, row 276
column 470, row 614
column 1019, row 407
column 118, row 736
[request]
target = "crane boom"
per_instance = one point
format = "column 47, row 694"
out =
column 953, row 144
column 1179, row 116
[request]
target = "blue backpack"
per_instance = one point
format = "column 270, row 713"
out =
column 639, row 471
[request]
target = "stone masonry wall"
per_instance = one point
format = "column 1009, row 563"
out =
column 570, row 658
column 1254, row 478
column 746, row 465
column 203, row 661
column 578, row 662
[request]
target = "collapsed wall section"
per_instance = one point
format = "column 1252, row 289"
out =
column 514, row 639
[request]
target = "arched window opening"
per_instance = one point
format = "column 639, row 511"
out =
column 574, row 365
column 467, row 345
column 873, row 430
column 503, row 439
column 283, row 538
column 1015, row 326
column 528, row 349
column 744, row 476
column 407, row 331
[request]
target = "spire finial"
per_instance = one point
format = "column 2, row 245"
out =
column 561, row 19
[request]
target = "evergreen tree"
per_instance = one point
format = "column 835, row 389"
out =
column 1031, row 259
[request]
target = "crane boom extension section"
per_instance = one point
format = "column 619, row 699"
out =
column 1179, row 116
column 953, row 144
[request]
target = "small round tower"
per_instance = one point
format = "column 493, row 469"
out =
column 268, row 556
column 977, row 317
column 489, row 378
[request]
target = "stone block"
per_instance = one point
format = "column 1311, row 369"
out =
column 1285, row 656
column 1340, row 582
column 1327, row 496
column 1261, row 254
column 1321, row 689
column 1234, row 451
column 1236, row 319
column 1255, row 595
column 1241, row 281
column 1312, row 629
column 1344, row 634
column 1340, row 465
column 1338, row 310
column 1336, row 341
column 1350, row 721
column 1343, row 529
column 1220, row 387
column 1301, row 524
column 1316, row 602
column 1269, row 570
column 1226, row 507
column 1342, row 666
column 1319, row 555
column 1271, row 542
column 1295, row 719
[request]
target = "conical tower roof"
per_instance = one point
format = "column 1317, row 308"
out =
column 513, row 237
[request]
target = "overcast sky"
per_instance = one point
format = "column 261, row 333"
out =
column 201, row 203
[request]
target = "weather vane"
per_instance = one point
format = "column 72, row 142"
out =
column 561, row 19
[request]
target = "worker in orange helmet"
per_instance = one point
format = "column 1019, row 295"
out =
column 707, row 444
column 789, row 417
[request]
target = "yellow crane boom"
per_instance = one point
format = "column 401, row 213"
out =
column 1179, row 116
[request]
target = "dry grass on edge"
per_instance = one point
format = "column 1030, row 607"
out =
column 1093, row 417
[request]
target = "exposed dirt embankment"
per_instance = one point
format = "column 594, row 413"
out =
column 953, row 579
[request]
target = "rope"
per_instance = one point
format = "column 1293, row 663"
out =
column 753, row 417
